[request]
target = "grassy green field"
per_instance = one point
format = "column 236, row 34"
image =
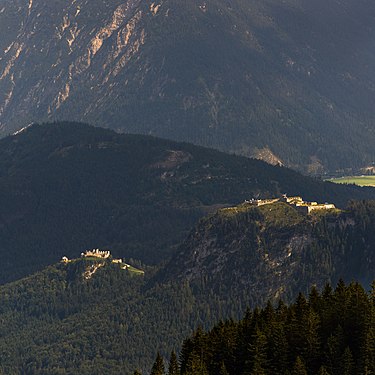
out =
column 132, row 269
column 357, row 180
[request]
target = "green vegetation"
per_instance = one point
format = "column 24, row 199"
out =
column 356, row 180
column 59, row 322
column 133, row 270
column 275, row 251
column 91, row 260
column 281, row 214
column 276, row 214
column 84, row 187
column 327, row 333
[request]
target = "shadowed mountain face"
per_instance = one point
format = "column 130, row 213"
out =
column 289, row 82
column 68, row 187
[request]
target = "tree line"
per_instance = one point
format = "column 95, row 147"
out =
column 326, row 333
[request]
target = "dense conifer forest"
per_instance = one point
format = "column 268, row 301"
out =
column 327, row 333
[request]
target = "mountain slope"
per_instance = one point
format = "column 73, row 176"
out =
column 290, row 81
column 55, row 322
column 275, row 250
column 68, row 187
column 59, row 321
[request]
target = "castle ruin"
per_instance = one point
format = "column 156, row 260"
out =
column 296, row 201
column 96, row 253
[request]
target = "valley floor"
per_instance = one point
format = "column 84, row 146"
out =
column 356, row 180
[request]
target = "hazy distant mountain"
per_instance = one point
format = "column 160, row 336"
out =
column 289, row 82
column 68, row 187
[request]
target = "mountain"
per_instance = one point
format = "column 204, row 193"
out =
column 291, row 82
column 58, row 322
column 68, row 187
column 91, row 316
column 274, row 250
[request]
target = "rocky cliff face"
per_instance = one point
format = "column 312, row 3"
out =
column 290, row 82
column 241, row 249
column 263, row 251
column 60, row 54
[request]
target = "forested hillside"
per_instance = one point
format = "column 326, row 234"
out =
column 200, row 256
column 59, row 321
column 328, row 333
column 289, row 81
column 274, row 251
column 68, row 187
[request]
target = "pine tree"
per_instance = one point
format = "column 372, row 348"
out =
column 299, row 367
column 311, row 332
column 323, row 371
column 359, row 322
column 295, row 326
column 347, row 362
column 314, row 299
column 223, row 343
column 281, row 310
column 370, row 339
column 370, row 342
column 158, row 367
column 136, row 372
column 245, row 332
column 304, row 333
column 223, row 369
column 195, row 366
column 334, row 349
column 258, row 352
column 186, row 350
column 173, row 365
column 268, row 314
column 193, row 354
column 277, row 350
